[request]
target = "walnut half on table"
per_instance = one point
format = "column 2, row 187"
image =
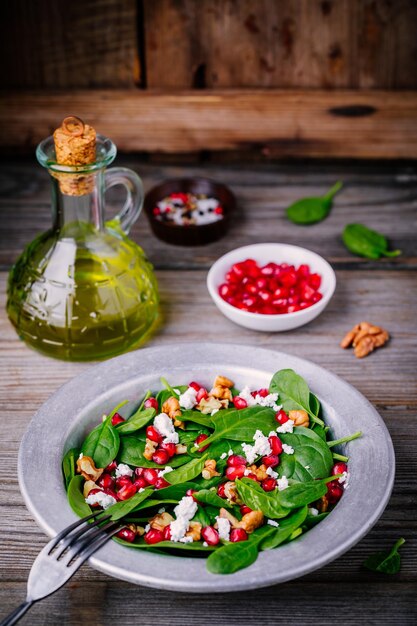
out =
column 364, row 338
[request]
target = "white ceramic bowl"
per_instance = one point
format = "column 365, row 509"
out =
column 265, row 253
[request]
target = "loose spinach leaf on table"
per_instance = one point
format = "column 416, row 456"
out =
column 313, row 210
column 76, row 497
column 102, row 444
column 242, row 425
column 120, row 509
column 387, row 561
column 294, row 394
column 136, row 421
column 131, row 452
column 366, row 242
column 311, row 459
column 69, row 465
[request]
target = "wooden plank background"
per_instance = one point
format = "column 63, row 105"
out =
column 384, row 291
column 183, row 76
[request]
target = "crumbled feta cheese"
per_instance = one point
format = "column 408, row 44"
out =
column 287, row 449
column 306, row 467
column 123, row 470
column 313, row 511
column 184, row 512
column 344, row 479
column 282, row 483
column 247, row 472
column 81, row 456
column 230, row 452
column 271, row 472
column 100, row 498
column 141, row 489
column 223, row 456
column 269, row 401
column 246, row 395
column 147, row 528
column 223, row 526
column 214, row 411
column 287, row 427
column 165, row 427
column 205, row 544
column 161, row 510
column 188, row 399
column 166, row 469
column 272, row 522
column 261, row 447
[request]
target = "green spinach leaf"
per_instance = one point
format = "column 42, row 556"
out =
column 311, row 459
column 121, row 509
column 285, row 529
column 242, row 425
column 206, row 496
column 365, row 242
column 312, row 210
column 69, row 465
column 102, row 444
column 76, row 497
column 294, row 393
column 257, row 499
column 386, row 562
column 187, row 472
column 131, row 452
column 136, row 421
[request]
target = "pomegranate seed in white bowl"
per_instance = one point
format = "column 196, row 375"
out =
column 268, row 255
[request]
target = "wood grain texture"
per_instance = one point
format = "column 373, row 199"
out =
column 279, row 123
column 54, row 43
column 291, row 43
column 381, row 292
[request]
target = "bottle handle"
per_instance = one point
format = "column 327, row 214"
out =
column 134, row 199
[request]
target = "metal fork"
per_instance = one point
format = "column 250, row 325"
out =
column 62, row 557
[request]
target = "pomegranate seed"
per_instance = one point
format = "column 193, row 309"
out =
column 315, row 281
column 245, row 509
column 251, row 289
column 281, row 293
column 303, row 271
column 249, row 301
column 275, row 443
column 269, row 484
column 91, row 493
column 293, row 308
column 231, row 277
column 153, row 434
column 218, row 210
column 334, row 491
column 117, row 419
column 265, row 296
column 268, row 270
column 111, row 493
column 339, row 468
column 201, row 393
column 272, row 460
column 127, row 534
column 106, row 481
column 160, row 456
column 235, row 472
column 261, row 283
column 140, row 483
column 111, row 467
column 126, row 492
column 235, row 459
column 151, row 403
column 139, row 471
column 167, row 533
column 195, row 385
column 122, row 481
column 252, row 476
column 262, row 393
column 239, row 403
column 199, row 440
column 170, row 448
column 153, row 536
column 191, row 492
column 220, row 490
column 307, row 293
column 316, row 298
column 210, row 535
column 150, row 475
column 239, row 269
column 161, row 483
column 238, row 534
column 281, row 417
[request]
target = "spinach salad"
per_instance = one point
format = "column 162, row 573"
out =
column 221, row 474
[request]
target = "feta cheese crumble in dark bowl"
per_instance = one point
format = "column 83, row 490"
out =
column 189, row 211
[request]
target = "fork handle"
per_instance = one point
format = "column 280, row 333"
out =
column 17, row 614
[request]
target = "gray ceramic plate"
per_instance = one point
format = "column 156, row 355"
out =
column 65, row 419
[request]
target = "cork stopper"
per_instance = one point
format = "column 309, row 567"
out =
column 75, row 144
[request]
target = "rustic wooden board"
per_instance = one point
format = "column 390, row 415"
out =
column 291, row 43
column 373, row 124
column 381, row 292
column 83, row 43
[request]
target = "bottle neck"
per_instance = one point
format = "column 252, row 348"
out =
column 77, row 202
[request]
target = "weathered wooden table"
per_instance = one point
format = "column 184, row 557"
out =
column 384, row 292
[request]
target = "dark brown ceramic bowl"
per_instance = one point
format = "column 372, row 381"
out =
column 192, row 235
